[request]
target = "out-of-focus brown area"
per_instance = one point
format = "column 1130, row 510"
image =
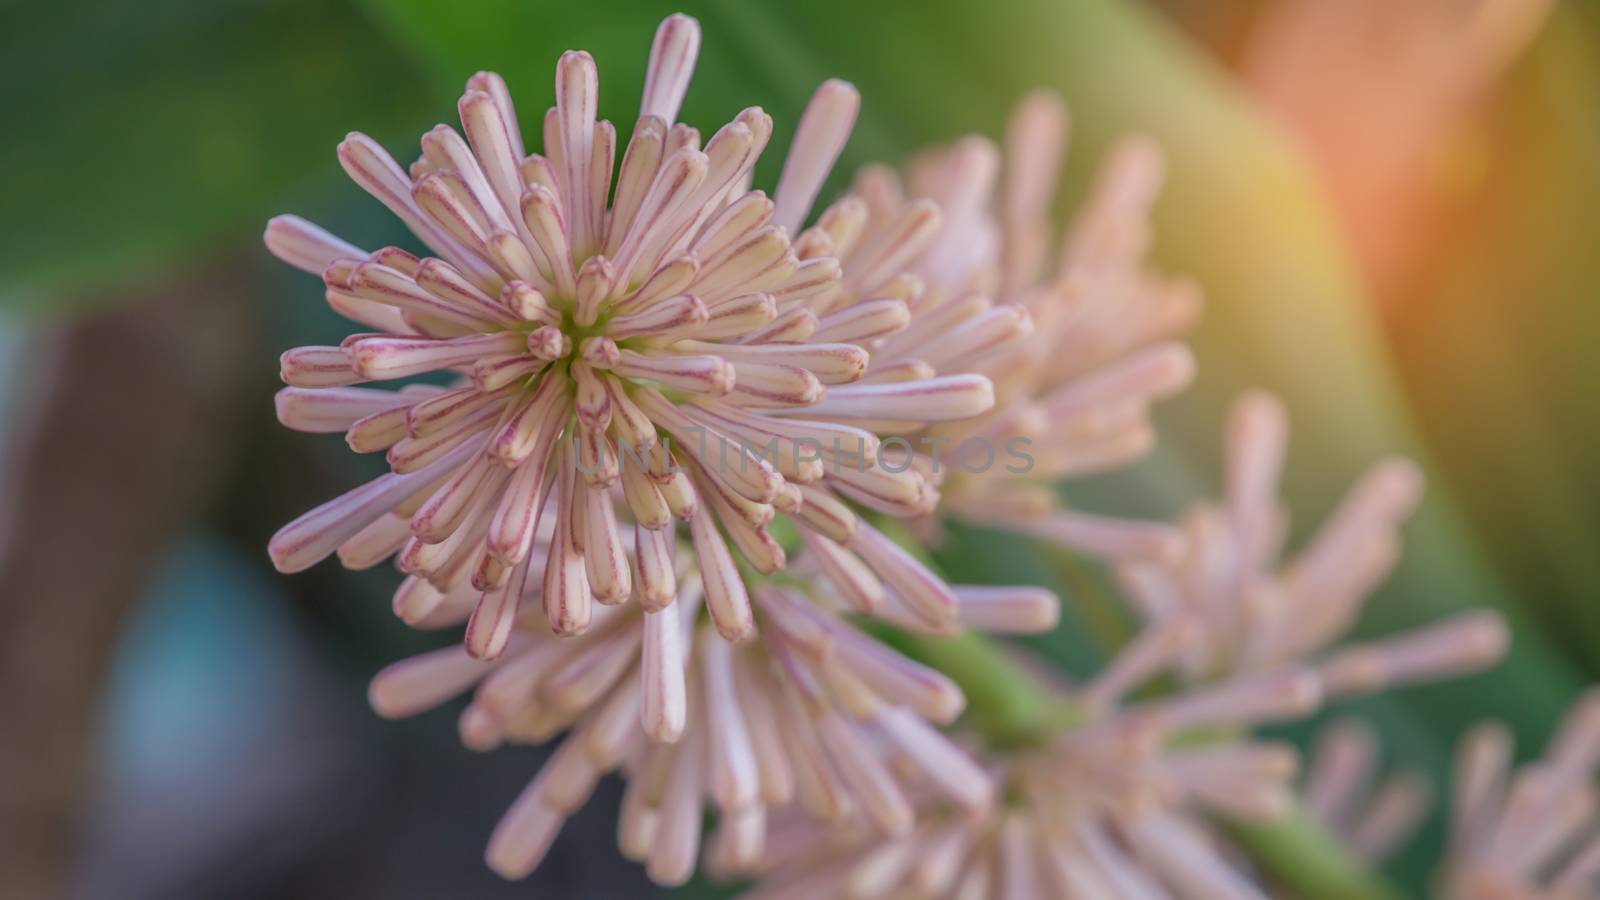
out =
column 126, row 433
column 140, row 427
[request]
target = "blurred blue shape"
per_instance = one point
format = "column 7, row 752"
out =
column 227, row 746
column 203, row 671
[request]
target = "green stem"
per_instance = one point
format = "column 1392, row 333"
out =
column 1010, row 709
column 1005, row 704
column 1304, row 858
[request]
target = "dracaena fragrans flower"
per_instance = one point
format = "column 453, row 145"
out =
column 1115, row 804
column 1078, row 347
column 1372, row 816
column 1530, row 833
column 614, row 368
column 817, row 713
column 1527, row 833
column 1241, row 612
column 1029, row 851
column 612, row 363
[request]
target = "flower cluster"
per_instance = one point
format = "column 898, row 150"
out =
column 613, row 370
column 1344, row 794
column 1078, row 348
column 637, row 390
column 1118, row 801
column 813, row 714
column 1528, row 832
column 1246, row 615
column 646, row 346
column 1114, row 805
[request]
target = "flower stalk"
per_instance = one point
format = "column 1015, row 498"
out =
column 1005, row 704
column 1301, row 856
column 1010, row 709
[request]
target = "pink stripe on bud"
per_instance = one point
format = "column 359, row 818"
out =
column 548, row 343
column 1007, row 610
column 664, row 708
column 401, row 357
column 421, row 683
column 675, row 315
column 311, row 538
column 446, row 282
column 923, row 591
column 864, row 321
column 672, row 58
column 944, row 399
column 489, row 629
column 694, row 374
column 528, row 304
column 819, row 138
column 375, row 543
column 489, row 132
column 830, row 363
column 732, row 774
column 307, row 246
column 317, row 367
column 331, row 410
column 726, row 599
column 653, row 553
column 599, row 352
column 939, row 759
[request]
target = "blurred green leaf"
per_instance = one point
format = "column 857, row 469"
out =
column 145, row 132
column 1499, row 348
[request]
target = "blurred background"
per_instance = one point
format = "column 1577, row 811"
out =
column 1392, row 206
